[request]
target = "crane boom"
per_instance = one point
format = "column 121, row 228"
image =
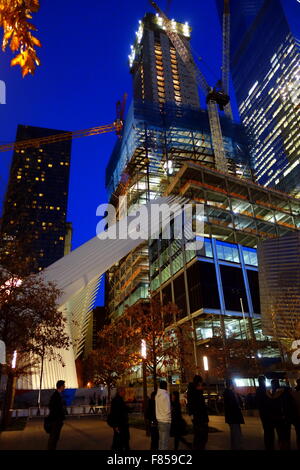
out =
column 211, row 95
column 182, row 51
column 226, row 55
column 23, row 144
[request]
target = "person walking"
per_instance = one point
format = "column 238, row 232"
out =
column 92, row 405
column 57, row 414
column 163, row 415
column 197, row 408
column 279, row 409
column 178, row 424
column 118, row 420
column 233, row 415
column 153, row 424
column 262, row 406
column 296, row 421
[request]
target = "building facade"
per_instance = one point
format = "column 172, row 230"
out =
column 35, row 206
column 265, row 58
column 166, row 150
column 279, row 280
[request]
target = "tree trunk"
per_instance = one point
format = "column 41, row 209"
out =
column 154, row 375
column 8, row 400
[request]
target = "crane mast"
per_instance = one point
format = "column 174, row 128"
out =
column 226, row 56
column 211, row 94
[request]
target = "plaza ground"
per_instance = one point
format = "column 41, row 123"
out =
column 92, row 433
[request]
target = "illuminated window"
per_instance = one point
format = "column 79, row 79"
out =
column 50, row 165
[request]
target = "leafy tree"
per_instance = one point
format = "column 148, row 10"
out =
column 235, row 356
column 30, row 322
column 167, row 347
column 14, row 19
column 107, row 364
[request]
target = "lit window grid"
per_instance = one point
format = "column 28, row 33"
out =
column 257, row 113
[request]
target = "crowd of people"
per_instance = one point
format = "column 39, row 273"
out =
column 278, row 406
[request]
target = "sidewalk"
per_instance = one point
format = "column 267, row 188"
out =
column 91, row 433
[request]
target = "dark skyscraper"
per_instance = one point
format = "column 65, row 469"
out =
column 36, row 201
column 265, row 57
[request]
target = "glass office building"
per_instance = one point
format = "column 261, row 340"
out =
column 265, row 66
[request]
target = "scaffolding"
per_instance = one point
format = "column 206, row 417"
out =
column 157, row 139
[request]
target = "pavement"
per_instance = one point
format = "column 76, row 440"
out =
column 92, row 433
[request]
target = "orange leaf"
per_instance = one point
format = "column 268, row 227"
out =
column 36, row 41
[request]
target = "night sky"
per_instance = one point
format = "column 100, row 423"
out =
column 84, row 71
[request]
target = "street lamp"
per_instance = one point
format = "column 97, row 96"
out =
column 14, row 360
column 243, row 312
column 144, row 357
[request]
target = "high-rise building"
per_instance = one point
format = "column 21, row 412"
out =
column 265, row 67
column 35, row 206
column 159, row 75
column 279, row 280
column 166, row 149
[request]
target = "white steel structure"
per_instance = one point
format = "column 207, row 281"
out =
column 78, row 275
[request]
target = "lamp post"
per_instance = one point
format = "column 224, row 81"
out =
column 144, row 357
column 9, row 393
column 244, row 319
column 206, row 368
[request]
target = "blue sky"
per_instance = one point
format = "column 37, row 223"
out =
column 83, row 72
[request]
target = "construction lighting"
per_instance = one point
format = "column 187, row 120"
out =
column 205, row 363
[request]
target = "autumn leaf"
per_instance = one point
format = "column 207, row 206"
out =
column 36, row 41
column 17, row 35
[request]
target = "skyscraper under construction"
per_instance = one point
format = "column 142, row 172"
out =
column 166, row 149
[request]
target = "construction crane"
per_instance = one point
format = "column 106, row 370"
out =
column 116, row 126
column 214, row 97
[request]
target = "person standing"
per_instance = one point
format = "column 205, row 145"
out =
column 119, row 421
column 57, row 414
column 153, row 425
column 163, row 415
column 197, row 408
column 280, row 414
column 233, row 415
column 178, row 424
